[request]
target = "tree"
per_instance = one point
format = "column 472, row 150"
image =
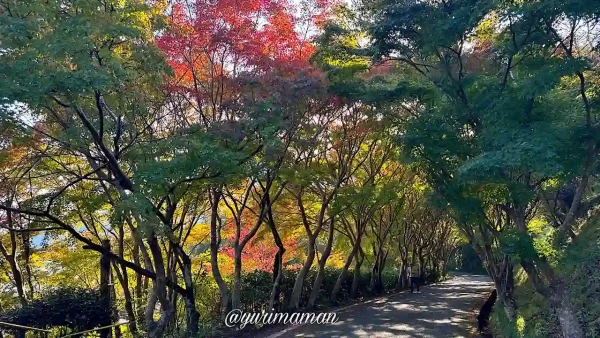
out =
column 96, row 99
column 502, row 108
column 188, row 144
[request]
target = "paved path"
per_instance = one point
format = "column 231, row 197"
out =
column 441, row 310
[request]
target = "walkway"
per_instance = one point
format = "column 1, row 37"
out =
column 441, row 310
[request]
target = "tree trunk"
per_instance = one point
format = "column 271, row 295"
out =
column 379, row 285
column 502, row 275
column 277, row 277
column 402, row 276
column 115, row 312
column 215, row 241
column 156, row 329
column 356, row 277
column 444, row 268
column 14, row 267
column 504, row 290
column 314, row 294
column 297, row 290
column 236, row 302
column 374, row 269
column 555, row 292
column 105, row 286
column 139, row 285
column 421, row 266
column 214, row 263
column 25, row 238
column 278, row 261
column 18, row 279
column 310, row 257
column 129, row 309
column 189, row 299
column 123, row 277
column 338, row 283
column 569, row 324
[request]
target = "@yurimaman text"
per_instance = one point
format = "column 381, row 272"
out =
column 241, row 318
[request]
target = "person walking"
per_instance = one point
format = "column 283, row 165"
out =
column 415, row 278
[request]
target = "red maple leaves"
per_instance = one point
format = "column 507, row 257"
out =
column 260, row 251
column 209, row 40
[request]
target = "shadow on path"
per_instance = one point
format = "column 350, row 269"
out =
column 441, row 310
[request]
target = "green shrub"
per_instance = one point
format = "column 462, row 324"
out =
column 63, row 309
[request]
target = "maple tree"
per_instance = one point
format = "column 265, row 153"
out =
column 211, row 44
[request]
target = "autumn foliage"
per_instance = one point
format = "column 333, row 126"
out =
column 259, row 253
column 209, row 41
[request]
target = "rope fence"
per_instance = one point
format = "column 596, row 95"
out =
column 64, row 336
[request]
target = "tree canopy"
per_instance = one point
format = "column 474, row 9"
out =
column 179, row 159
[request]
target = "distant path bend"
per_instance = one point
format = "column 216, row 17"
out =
column 440, row 310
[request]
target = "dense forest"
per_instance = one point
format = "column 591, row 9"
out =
column 163, row 162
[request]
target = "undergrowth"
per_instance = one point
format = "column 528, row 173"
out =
column 579, row 266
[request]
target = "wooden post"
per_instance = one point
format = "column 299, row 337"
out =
column 105, row 286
